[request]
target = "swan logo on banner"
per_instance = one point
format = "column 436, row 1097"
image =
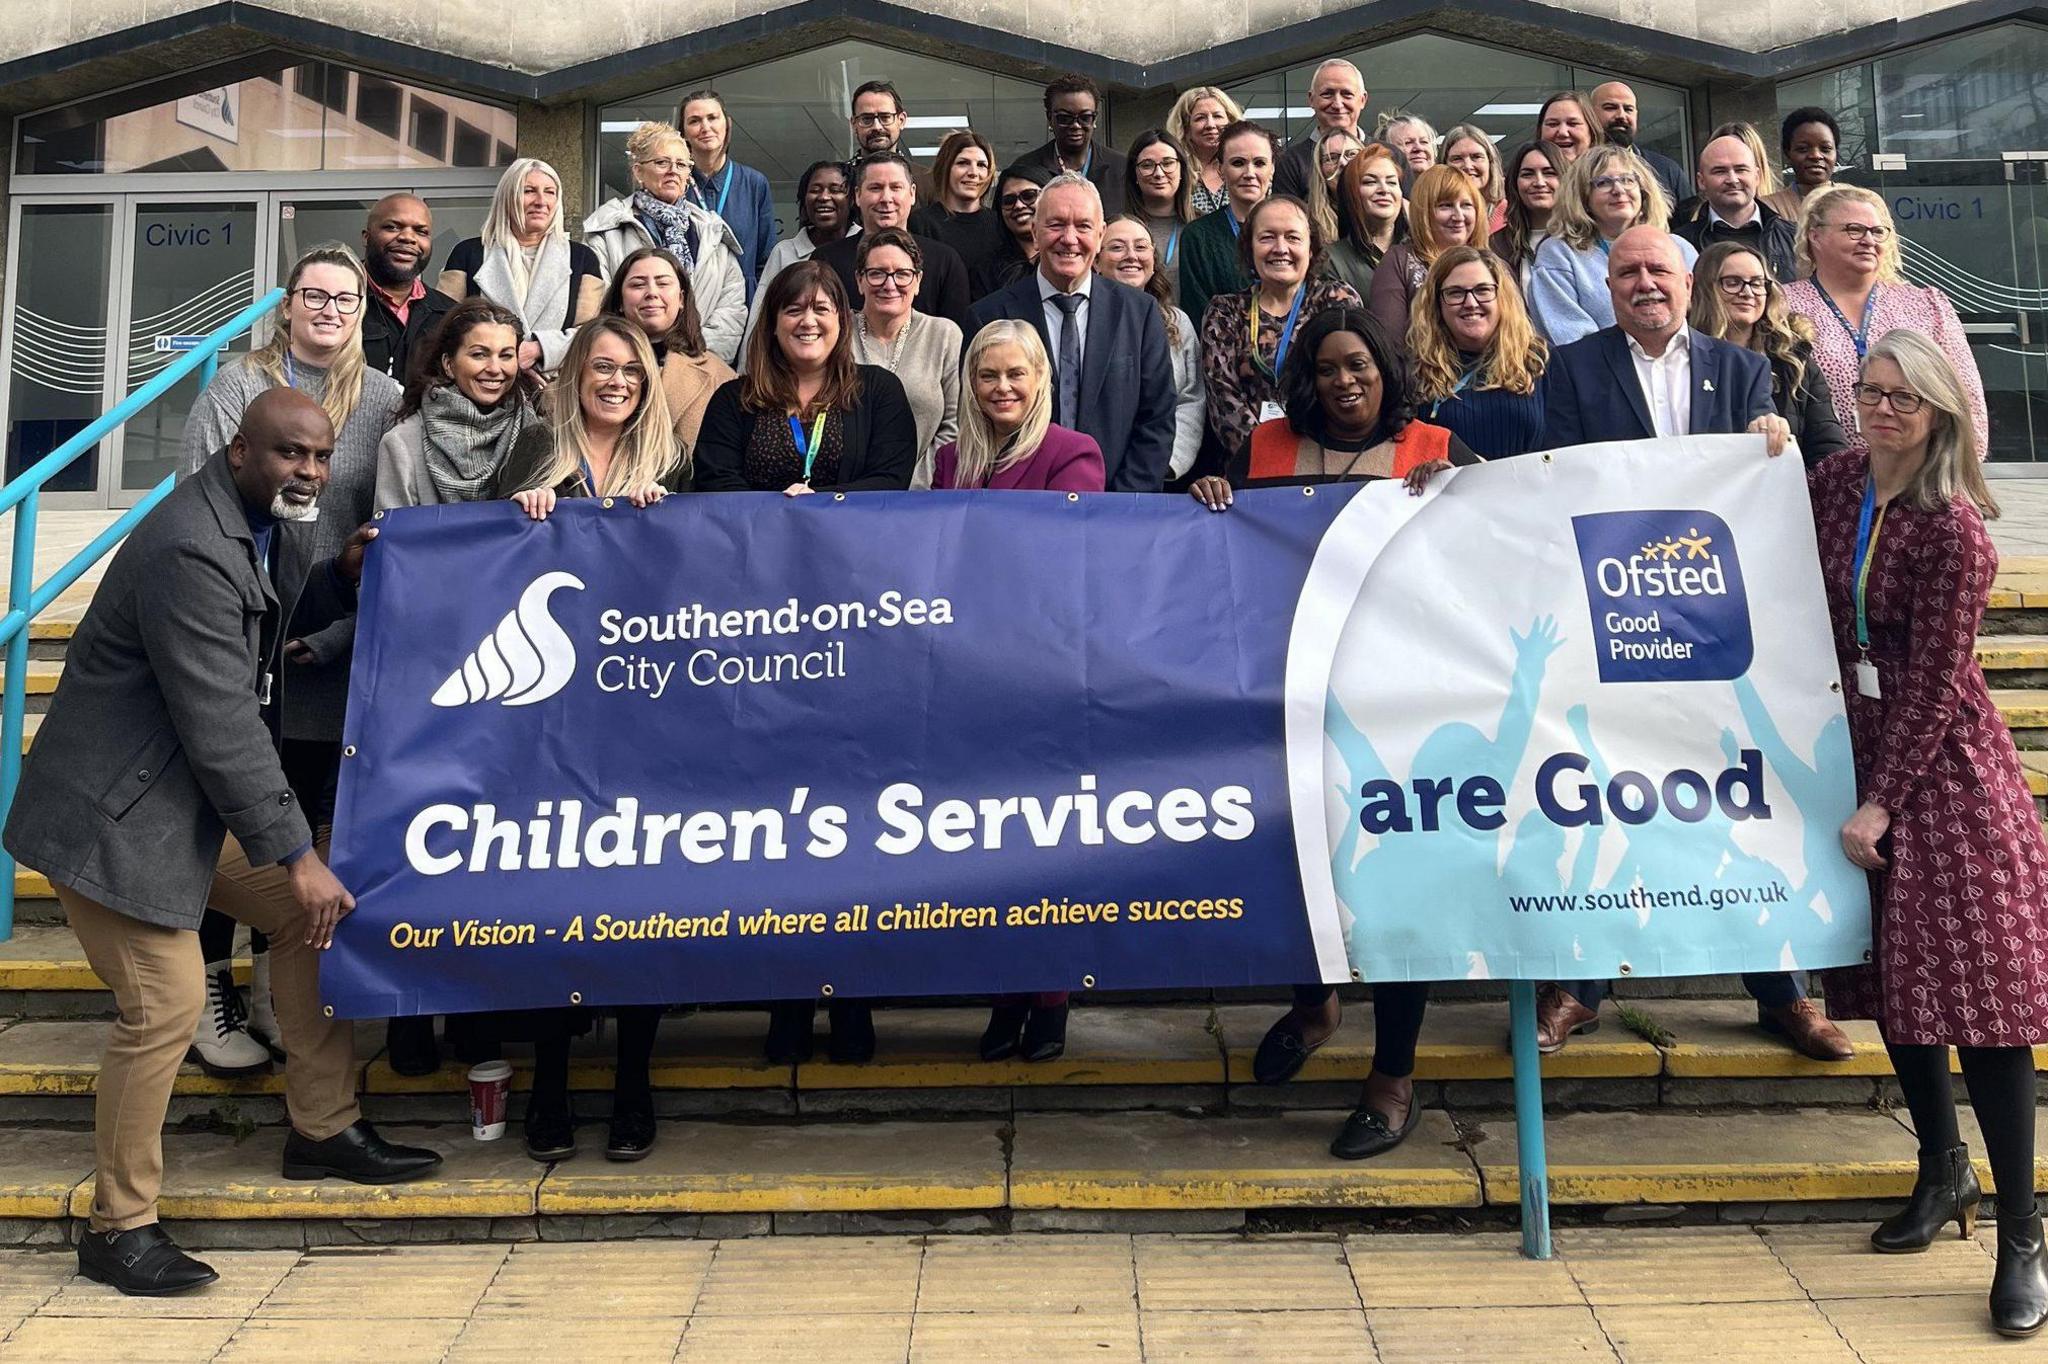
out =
column 1667, row 598
column 528, row 658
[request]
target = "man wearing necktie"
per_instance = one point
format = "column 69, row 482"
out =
column 1112, row 375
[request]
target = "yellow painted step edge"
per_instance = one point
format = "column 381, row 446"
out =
column 270, row 1198
column 568, row 1191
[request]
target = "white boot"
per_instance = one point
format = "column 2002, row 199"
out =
column 221, row 1043
column 262, row 1017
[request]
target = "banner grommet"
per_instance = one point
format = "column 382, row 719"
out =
column 575, row 996
column 1308, row 492
column 839, row 497
column 349, row 752
column 327, row 1010
column 826, row 989
column 1073, row 497
column 607, row 503
column 377, row 516
column 1087, row 982
column 1626, row 970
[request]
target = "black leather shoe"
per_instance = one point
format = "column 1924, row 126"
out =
column 632, row 1133
column 1367, row 1133
column 1946, row 1190
column 853, row 1033
column 142, row 1262
column 1045, row 1034
column 1282, row 1052
column 410, row 1046
column 789, row 1032
column 2019, row 1286
column 550, row 1131
column 1005, row 1026
column 357, row 1154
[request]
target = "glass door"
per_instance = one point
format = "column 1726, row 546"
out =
column 192, row 265
column 304, row 221
column 55, row 347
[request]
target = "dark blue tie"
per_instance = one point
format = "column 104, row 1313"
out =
column 1067, row 394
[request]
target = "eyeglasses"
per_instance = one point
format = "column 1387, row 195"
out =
column 1861, row 232
column 1735, row 286
column 1023, row 198
column 1903, row 402
column 667, row 165
column 1067, row 118
column 875, row 120
column 1161, row 167
column 1608, row 182
column 316, row 299
column 1336, row 160
column 609, row 369
column 875, row 279
column 1458, row 295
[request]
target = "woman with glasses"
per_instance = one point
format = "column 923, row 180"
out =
column 1127, row 256
column 651, row 290
column 1946, row 826
column 1444, row 211
column 1372, row 215
column 660, row 213
column 1073, row 112
column 1468, row 149
column 1016, row 204
column 1197, row 122
column 1478, row 361
column 964, row 217
column 1531, row 177
column 1735, row 299
column 315, row 346
column 525, row 261
column 1606, row 192
column 1159, row 194
column 920, row 350
column 823, row 214
column 1333, row 154
column 1854, row 294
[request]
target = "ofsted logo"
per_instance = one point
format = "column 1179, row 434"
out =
column 1666, row 593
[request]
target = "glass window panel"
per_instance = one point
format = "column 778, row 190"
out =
column 1973, row 96
column 56, row 383
column 267, row 113
column 792, row 111
column 303, row 224
column 1850, row 95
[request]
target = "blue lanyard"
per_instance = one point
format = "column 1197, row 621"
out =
column 1172, row 245
column 1231, row 218
column 1286, row 330
column 291, row 380
column 1869, row 523
column 1464, row 382
column 725, row 189
column 808, row 448
column 1858, row 336
column 589, row 479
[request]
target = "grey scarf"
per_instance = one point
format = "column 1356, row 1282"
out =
column 466, row 445
column 672, row 222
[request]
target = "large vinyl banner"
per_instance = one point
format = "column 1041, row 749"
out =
column 1570, row 716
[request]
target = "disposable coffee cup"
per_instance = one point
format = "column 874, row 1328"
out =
column 490, row 1093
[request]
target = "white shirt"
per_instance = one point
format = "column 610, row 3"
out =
column 1714, row 216
column 1666, row 382
column 1056, row 321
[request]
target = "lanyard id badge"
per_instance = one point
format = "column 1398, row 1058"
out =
column 1869, row 525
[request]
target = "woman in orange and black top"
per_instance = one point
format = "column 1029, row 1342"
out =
column 1350, row 417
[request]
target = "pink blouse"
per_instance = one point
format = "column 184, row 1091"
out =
column 1914, row 307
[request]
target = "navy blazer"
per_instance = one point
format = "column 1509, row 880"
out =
column 1127, row 392
column 1590, row 390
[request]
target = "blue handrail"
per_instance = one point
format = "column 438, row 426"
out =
column 26, row 599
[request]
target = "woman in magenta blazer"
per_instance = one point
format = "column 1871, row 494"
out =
column 1007, row 439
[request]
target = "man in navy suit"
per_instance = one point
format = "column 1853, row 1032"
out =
column 1112, row 374
column 1652, row 376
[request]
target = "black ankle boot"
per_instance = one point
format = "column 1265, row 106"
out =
column 789, row 1031
column 1947, row 1190
column 2019, row 1287
column 1045, row 1033
column 1005, row 1025
column 853, row 1032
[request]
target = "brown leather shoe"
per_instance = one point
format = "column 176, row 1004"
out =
column 1804, row 1026
column 1558, row 1015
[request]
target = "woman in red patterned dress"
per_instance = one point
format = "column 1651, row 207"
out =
column 1946, row 825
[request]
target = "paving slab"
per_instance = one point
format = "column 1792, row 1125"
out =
column 96, row 1340
column 1742, row 1333
column 1954, row 1329
column 624, row 1281
column 247, row 1277
column 1077, row 1275
column 30, row 1278
column 607, row 1340
column 1162, row 1161
column 864, row 1338
column 812, row 1276
column 39, row 1169
column 385, row 1284
column 1486, row 1269
column 1460, row 1041
column 1231, row 1274
column 1681, row 1156
column 700, row 1049
column 1282, row 1336
column 1634, row 1266
column 1114, row 1045
column 817, row 1167
column 1497, row 1335
column 340, row 1340
column 210, row 1176
column 1056, row 1337
column 1836, row 1261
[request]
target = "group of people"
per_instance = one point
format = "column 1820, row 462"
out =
column 1213, row 310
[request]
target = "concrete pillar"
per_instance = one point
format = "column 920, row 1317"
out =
column 563, row 136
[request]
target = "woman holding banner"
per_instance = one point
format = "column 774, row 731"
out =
column 1947, row 827
column 1349, row 416
column 1478, row 360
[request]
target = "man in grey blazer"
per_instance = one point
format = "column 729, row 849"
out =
column 154, row 786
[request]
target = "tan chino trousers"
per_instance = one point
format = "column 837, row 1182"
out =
column 159, row 987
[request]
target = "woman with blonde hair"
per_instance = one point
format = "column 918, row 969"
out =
column 1945, row 826
column 1477, row 360
column 1444, row 210
column 525, row 261
column 1007, row 435
column 1468, row 148
column 315, row 346
column 1197, row 122
column 1606, row 192
column 1734, row 298
column 607, row 431
column 1854, row 293
column 1410, row 135
column 1334, row 152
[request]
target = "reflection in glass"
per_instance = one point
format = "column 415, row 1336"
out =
column 306, row 223
column 56, row 383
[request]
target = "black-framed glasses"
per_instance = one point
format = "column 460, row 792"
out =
column 1458, row 295
column 876, row 278
column 1022, row 198
column 316, row 299
column 875, row 120
column 1735, row 286
column 1903, row 401
column 1067, row 118
column 1159, row 167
